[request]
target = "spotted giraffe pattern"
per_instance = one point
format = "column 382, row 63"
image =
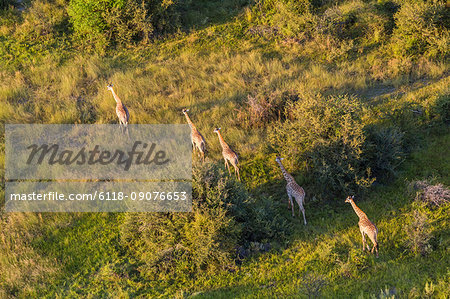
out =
column 366, row 227
column 293, row 190
column 228, row 155
column 198, row 142
column 121, row 110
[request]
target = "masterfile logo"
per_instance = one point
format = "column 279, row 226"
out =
column 148, row 152
column 98, row 168
column 54, row 155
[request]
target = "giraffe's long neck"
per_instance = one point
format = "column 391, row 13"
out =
column 118, row 101
column 191, row 124
column 358, row 210
column 286, row 174
column 222, row 142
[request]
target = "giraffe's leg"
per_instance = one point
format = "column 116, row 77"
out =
column 291, row 204
column 367, row 243
column 236, row 171
column 363, row 241
column 228, row 166
column 198, row 150
column 375, row 245
column 122, row 126
column 289, row 201
column 302, row 209
column 126, row 130
column 203, row 150
column 203, row 156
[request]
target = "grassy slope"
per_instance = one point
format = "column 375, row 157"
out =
column 91, row 261
column 211, row 71
column 332, row 240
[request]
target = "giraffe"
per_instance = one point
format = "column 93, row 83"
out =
column 196, row 138
column 121, row 110
column 228, row 154
column 366, row 227
column 293, row 190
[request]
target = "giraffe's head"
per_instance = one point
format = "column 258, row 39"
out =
column 278, row 159
column 216, row 130
column 110, row 86
column 350, row 198
column 185, row 110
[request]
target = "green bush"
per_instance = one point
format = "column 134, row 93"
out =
column 442, row 108
column 260, row 222
column 422, row 28
column 419, row 234
column 173, row 246
column 384, row 151
column 325, row 137
column 287, row 17
column 123, row 22
column 43, row 21
column 6, row 3
column 358, row 20
column 265, row 10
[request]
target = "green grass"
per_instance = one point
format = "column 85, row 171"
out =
column 86, row 251
column 211, row 69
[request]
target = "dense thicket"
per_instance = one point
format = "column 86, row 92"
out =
column 174, row 246
column 123, row 22
column 422, row 28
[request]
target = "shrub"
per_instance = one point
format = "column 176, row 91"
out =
column 441, row 109
column 174, row 246
column 418, row 233
column 108, row 22
column 44, row 20
column 422, row 28
column 265, row 10
column 434, row 195
column 325, row 137
column 263, row 109
column 287, row 15
column 260, row 222
column 384, row 151
column 336, row 23
column 358, row 20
